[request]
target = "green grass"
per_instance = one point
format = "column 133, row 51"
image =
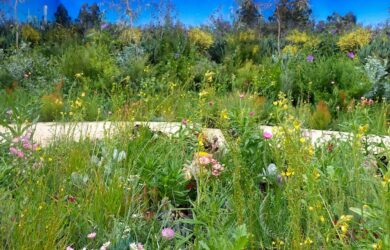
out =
column 60, row 194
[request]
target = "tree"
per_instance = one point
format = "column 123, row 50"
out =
column 62, row 17
column 89, row 16
column 339, row 23
column 288, row 14
column 127, row 9
column 248, row 14
column 292, row 14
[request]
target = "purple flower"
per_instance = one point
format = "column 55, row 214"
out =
column 104, row 26
column 168, row 233
column 351, row 55
column 310, row 58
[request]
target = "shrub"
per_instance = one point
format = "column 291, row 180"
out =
column 51, row 107
column 290, row 50
column 321, row 79
column 244, row 46
column 30, row 34
column 130, row 36
column 93, row 62
column 321, row 118
column 379, row 48
column 202, row 39
column 302, row 39
column 354, row 40
column 376, row 72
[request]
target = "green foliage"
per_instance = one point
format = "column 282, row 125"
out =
column 92, row 62
column 319, row 80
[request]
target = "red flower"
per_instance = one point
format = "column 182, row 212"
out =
column 71, row 198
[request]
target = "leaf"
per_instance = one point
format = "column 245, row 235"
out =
column 362, row 212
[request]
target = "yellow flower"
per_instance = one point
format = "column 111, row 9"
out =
column 296, row 124
column 322, row 219
column 308, row 241
column 83, row 94
column 224, row 114
column 289, row 172
column 317, row 175
column 79, row 75
column 209, row 76
column 203, row 93
column 200, row 154
column 344, row 228
column 200, row 141
column 363, row 129
column 302, row 140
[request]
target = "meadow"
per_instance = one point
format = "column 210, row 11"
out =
column 142, row 189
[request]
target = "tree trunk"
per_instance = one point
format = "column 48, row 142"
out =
column 16, row 23
column 279, row 32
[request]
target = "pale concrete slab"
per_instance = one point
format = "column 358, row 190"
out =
column 319, row 137
column 45, row 133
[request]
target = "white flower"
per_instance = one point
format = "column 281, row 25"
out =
column 271, row 169
column 136, row 246
column 119, row 156
column 105, row 245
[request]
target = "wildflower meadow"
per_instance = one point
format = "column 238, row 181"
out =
column 262, row 128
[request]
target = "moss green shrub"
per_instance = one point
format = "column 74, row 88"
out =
column 93, row 63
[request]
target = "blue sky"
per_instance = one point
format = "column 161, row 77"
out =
column 194, row 12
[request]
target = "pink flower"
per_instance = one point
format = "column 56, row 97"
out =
column 218, row 167
column 203, row 160
column 27, row 145
column 242, row 96
column 251, row 113
column 215, row 172
column 184, row 122
column 91, row 235
column 25, row 139
column 20, row 154
column 69, row 248
column 13, row 151
column 267, row 135
column 168, row 233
